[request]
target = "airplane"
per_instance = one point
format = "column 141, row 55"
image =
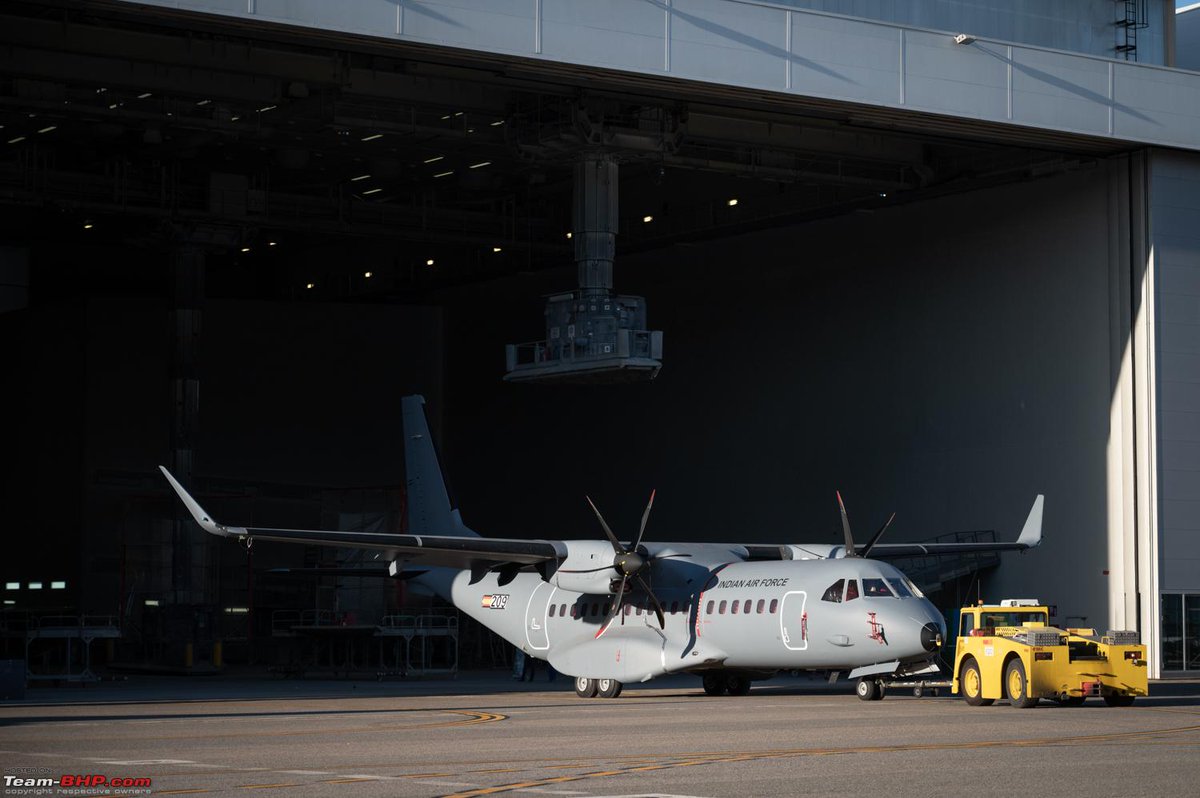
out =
column 610, row 613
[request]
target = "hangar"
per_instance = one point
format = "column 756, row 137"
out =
column 941, row 257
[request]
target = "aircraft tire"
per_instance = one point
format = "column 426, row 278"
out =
column 866, row 689
column 608, row 688
column 1017, row 685
column 714, row 684
column 585, row 687
column 737, row 685
column 1114, row 700
column 971, row 684
column 880, row 691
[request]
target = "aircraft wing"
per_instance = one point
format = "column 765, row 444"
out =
column 1030, row 537
column 456, row 552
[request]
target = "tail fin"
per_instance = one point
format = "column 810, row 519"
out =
column 429, row 511
column 1031, row 533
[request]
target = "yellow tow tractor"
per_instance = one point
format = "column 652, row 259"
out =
column 1010, row 651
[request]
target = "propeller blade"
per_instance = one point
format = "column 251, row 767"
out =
column 587, row 570
column 875, row 538
column 604, row 525
column 658, row 610
column 618, row 600
column 645, row 516
column 850, row 552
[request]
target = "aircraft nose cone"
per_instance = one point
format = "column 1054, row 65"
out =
column 931, row 637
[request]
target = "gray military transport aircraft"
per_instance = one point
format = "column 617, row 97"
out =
column 608, row 613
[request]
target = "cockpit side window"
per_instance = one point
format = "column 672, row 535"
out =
column 834, row 592
column 900, row 588
column 876, row 588
column 852, row 590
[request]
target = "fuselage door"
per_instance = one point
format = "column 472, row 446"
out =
column 535, row 617
column 793, row 620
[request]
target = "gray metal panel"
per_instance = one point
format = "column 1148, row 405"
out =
column 623, row 34
column 846, row 59
column 1060, row 91
column 965, row 80
column 722, row 42
column 1174, row 211
column 364, row 16
column 745, row 43
column 495, row 25
column 1155, row 104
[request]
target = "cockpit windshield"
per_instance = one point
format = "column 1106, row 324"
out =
column 900, row 588
column 834, row 592
column 875, row 588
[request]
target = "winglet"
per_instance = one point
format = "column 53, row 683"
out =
column 1031, row 533
column 202, row 517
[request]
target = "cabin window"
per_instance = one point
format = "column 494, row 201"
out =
column 746, row 606
column 709, row 610
column 553, row 609
column 834, row 592
column 899, row 588
column 574, row 610
column 734, row 608
column 774, row 605
column 721, row 608
column 852, row 590
column 875, row 588
column 761, row 604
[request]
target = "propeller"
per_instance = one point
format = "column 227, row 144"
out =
column 851, row 551
column 629, row 563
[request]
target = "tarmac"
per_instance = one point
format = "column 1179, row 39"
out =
column 484, row 734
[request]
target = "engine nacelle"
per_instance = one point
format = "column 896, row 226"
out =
column 586, row 555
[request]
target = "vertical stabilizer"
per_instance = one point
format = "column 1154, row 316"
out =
column 429, row 511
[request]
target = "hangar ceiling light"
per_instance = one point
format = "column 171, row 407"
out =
column 308, row 285
column 647, row 219
column 495, row 249
column 266, row 108
column 480, row 165
column 444, row 174
column 245, row 249
column 145, row 95
column 434, row 159
column 371, row 191
column 429, row 262
column 17, row 140
column 372, row 137
column 367, row 275
column 732, row 202
column 270, row 243
column 48, row 128
column 360, row 177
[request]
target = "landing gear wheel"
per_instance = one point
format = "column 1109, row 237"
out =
column 972, row 686
column 585, row 687
column 880, row 690
column 1114, row 700
column 1018, row 686
column 866, row 689
column 737, row 685
column 608, row 688
column 714, row 684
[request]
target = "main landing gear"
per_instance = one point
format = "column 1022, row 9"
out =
column 591, row 688
column 726, row 684
column 869, row 689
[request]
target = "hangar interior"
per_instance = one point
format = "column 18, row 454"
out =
column 232, row 249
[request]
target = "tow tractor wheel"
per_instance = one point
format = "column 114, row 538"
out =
column 608, row 688
column 715, row 684
column 1018, row 685
column 1114, row 700
column 868, row 689
column 972, row 685
column 737, row 685
column 585, row 687
column 1071, row 700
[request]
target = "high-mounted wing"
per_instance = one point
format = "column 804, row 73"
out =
column 456, row 552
